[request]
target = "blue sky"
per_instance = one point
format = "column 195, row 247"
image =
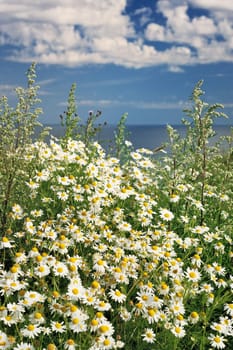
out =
column 142, row 57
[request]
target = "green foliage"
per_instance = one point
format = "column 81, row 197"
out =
column 122, row 146
column 72, row 122
column 70, row 119
column 17, row 127
column 191, row 154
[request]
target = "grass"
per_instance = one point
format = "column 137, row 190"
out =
column 114, row 250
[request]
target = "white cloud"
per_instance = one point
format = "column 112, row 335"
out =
column 134, row 104
column 201, row 33
column 144, row 14
column 6, row 89
column 74, row 33
column 46, row 82
column 175, row 69
column 223, row 5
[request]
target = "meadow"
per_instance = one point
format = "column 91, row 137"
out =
column 125, row 249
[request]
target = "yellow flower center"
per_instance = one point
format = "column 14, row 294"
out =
column 104, row 328
column 107, row 342
column 70, row 342
column 100, row 262
column 94, row 322
column 75, row 291
column 192, row 274
column 217, row 339
column 31, row 327
column 151, row 312
column 75, row 320
column 95, row 284
column 177, row 330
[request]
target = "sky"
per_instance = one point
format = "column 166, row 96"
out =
column 141, row 57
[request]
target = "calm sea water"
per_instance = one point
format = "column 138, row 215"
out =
column 147, row 136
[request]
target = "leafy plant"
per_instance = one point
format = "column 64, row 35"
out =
column 17, row 128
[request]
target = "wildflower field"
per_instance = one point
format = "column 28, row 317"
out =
column 125, row 249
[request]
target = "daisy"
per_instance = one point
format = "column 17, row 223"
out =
column 9, row 320
column 58, row 327
column 193, row 317
column 105, row 329
column 11, row 285
column 117, row 296
column 124, row 226
column 180, row 320
column 193, row 275
column 32, row 185
column 148, row 335
column 37, row 318
column 177, row 307
column 178, row 331
column 207, row 288
column 100, row 266
column 227, row 323
column 70, row 344
column 106, row 342
column 36, row 213
column 24, row 346
column 220, row 283
column 63, row 180
column 145, row 298
column 174, row 198
column 119, row 344
column 102, row 305
column 32, row 297
column 218, row 327
column 219, row 269
column 16, row 309
column 94, row 324
column 166, row 214
column 152, row 315
column 62, row 195
column 125, row 314
column 31, row 331
column 51, row 346
column 42, row 270
column 60, row 269
column 229, row 309
column 164, row 288
column 17, row 211
column 4, row 341
column 217, row 341
column 200, row 229
column 196, row 260
column 5, row 243
column 42, row 175
column 20, row 257
column 77, row 325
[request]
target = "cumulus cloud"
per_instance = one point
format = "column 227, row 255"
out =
column 213, row 5
column 73, row 33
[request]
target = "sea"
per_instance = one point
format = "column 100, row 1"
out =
column 145, row 136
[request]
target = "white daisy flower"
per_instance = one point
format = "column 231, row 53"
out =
column 148, row 335
column 31, row 331
column 193, row 275
column 166, row 214
column 217, row 341
column 117, row 296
